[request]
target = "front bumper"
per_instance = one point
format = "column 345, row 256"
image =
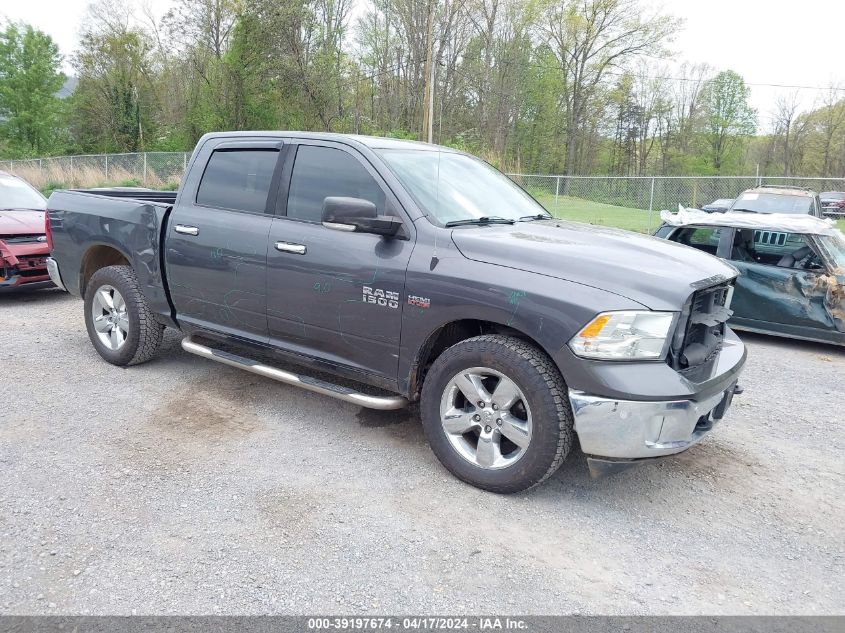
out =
column 628, row 429
column 633, row 429
column 22, row 268
column 12, row 277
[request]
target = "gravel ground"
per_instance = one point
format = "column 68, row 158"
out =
column 182, row 486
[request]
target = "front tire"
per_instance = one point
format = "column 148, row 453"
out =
column 120, row 323
column 496, row 413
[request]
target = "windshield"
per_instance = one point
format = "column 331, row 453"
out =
column 16, row 194
column 773, row 203
column 453, row 187
column 834, row 245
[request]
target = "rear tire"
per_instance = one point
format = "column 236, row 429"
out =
column 120, row 323
column 496, row 413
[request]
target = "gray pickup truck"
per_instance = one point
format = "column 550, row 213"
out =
column 388, row 272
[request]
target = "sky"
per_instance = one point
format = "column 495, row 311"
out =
column 765, row 41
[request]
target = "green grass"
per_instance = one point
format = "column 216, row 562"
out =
column 580, row 210
column 51, row 186
column 128, row 182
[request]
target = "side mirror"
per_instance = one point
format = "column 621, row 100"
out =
column 358, row 215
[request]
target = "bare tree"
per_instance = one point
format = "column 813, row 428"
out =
column 785, row 115
column 687, row 102
column 590, row 39
column 651, row 96
column 206, row 24
column 830, row 125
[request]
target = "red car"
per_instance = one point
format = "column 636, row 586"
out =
column 23, row 239
column 833, row 204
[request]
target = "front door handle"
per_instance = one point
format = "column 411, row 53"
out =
column 287, row 247
column 184, row 229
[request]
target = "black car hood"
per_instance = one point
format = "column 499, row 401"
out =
column 656, row 273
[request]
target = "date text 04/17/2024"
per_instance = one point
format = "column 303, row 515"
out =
column 421, row 623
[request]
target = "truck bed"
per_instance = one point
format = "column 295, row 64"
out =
column 135, row 193
column 124, row 222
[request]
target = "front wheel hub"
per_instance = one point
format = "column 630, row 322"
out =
column 486, row 418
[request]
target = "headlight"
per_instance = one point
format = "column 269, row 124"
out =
column 624, row 335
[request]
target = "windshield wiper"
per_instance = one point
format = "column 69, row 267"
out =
column 536, row 216
column 487, row 219
column 20, row 209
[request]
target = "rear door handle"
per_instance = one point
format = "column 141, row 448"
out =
column 184, row 229
column 287, row 247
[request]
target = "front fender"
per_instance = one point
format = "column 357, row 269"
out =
column 446, row 287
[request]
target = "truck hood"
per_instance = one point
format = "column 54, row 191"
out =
column 21, row 222
column 656, row 273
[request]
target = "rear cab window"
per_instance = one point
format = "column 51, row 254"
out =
column 758, row 202
column 238, row 179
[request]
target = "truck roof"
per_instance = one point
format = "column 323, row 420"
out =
column 373, row 142
column 788, row 223
column 783, row 190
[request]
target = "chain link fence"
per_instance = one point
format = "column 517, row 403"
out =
column 635, row 202
column 147, row 169
column 628, row 202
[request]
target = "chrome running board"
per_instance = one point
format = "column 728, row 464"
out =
column 306, row 382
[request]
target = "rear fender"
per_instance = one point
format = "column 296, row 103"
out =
column 136, row 235
column 85, row 266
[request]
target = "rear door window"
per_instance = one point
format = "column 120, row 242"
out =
column 703, row 238
column 238, row 179
column 775, row 248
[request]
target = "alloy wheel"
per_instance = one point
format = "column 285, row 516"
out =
column 486, row 418
column 111, row 322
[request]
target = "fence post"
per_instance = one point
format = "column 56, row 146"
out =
column 40, row 168
column 557, row 193
column 71, row 172
column 184, row 162
column 650, row 204
column 144, row 180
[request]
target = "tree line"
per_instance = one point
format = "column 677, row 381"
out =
column 545, row 86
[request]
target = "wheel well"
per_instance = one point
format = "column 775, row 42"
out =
column 96, row 258
column 448, row 335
